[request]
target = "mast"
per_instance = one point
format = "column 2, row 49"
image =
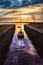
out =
column 20, row 18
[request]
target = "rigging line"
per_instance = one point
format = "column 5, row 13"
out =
column 20, row 18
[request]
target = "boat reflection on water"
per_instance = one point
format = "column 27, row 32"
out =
column 22, row 45
column 19, row 42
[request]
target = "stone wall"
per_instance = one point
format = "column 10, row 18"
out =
column 36, row 37
column 5, row 40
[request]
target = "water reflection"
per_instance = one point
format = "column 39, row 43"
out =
column 23, row 44
column 22, row 49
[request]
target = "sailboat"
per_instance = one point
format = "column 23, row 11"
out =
column 20, row 33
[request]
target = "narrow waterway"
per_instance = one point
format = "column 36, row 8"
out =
column 22, row 52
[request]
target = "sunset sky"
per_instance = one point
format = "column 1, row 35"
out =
column 18, row 3
column 25, row 14
column 33, row 12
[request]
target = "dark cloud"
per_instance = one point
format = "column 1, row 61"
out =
column 17, row 3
